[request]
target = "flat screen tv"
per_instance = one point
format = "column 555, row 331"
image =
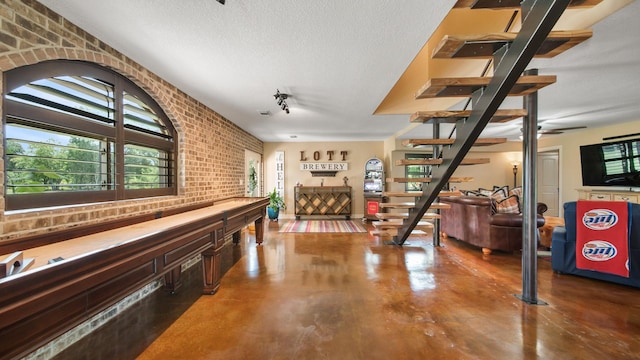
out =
column 611, row 164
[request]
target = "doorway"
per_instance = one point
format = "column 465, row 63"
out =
column 548, row 180
column 252, row 173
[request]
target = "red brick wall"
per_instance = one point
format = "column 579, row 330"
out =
column 211, row 148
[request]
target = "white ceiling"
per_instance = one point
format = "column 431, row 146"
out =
column 598, row 81
column 338, row 60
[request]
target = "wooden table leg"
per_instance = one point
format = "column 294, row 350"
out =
column 173, row 280
column 259, row 230
column 211, row 263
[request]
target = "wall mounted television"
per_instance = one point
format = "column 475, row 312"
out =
column 611, row 164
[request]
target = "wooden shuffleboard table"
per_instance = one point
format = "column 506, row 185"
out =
column 96, row 270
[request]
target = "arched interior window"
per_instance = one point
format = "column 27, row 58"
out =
column 79, row 133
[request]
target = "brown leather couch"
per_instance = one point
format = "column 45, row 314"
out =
column 472, row 219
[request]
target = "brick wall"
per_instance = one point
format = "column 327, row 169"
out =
column 211, row 148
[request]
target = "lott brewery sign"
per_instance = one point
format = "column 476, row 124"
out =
column 324, row 168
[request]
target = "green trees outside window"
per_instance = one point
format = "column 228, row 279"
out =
column 416, row 171
column 76, row 132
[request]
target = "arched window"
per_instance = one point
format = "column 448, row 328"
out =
column 76, row 133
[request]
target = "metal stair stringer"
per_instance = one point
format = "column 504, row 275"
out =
column 539, row 17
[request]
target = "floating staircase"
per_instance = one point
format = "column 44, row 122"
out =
column 390, row 222
column 411, row 205
column 396, row 216
column 415, row 194
column 451, row 116
column 515, row 4
column 511, row 54
column 423, row 142
column 439, row 161
column 428, row 180
column 485, row 45
column 468, row 86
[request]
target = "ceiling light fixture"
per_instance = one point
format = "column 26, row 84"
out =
column 280, row 100
column 221, row 1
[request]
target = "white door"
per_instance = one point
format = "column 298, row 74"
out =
column 548, row 181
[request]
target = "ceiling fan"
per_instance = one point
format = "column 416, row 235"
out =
column 557, row 130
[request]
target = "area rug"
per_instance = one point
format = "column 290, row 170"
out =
column 319, row 226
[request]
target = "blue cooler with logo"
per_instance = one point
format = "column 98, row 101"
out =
column 563, row 248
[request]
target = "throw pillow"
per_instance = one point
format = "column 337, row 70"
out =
column 516, row 191
column 510, row 205
column 500, row 193
column 485, row 192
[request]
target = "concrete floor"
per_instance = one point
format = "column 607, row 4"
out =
column 347, row 296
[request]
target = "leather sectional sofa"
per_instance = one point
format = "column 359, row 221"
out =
column 473, row 219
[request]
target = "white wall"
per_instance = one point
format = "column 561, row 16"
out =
column 569, row 144
column 498, row 172
column 357, row 155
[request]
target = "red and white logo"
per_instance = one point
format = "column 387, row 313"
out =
column 600, row 219
column 599, row 250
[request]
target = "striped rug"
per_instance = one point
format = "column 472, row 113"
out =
column 319, row 226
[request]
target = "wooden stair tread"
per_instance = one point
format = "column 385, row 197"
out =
column 452, row 116
column 515, row 4
column 391, row 216
column 465, row 161
column 394, row 205
column 410, row 205
column 466, row 86
column 428, row 179
column 419, row 193
column 421, row 225
column 478, row 142
column 394, row 232
column 483, row 46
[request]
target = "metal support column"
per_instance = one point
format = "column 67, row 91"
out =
column 529, row 216
column 436, row 155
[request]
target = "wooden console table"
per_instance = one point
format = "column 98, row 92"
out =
column 609, row 195
column 323, row 200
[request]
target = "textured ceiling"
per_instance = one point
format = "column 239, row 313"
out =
column 343, row 62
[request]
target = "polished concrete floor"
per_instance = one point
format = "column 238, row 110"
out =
column 347, row 296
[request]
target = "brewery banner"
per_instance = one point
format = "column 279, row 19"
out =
column 602, row 236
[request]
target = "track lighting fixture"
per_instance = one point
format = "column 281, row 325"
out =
column 280, row 100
